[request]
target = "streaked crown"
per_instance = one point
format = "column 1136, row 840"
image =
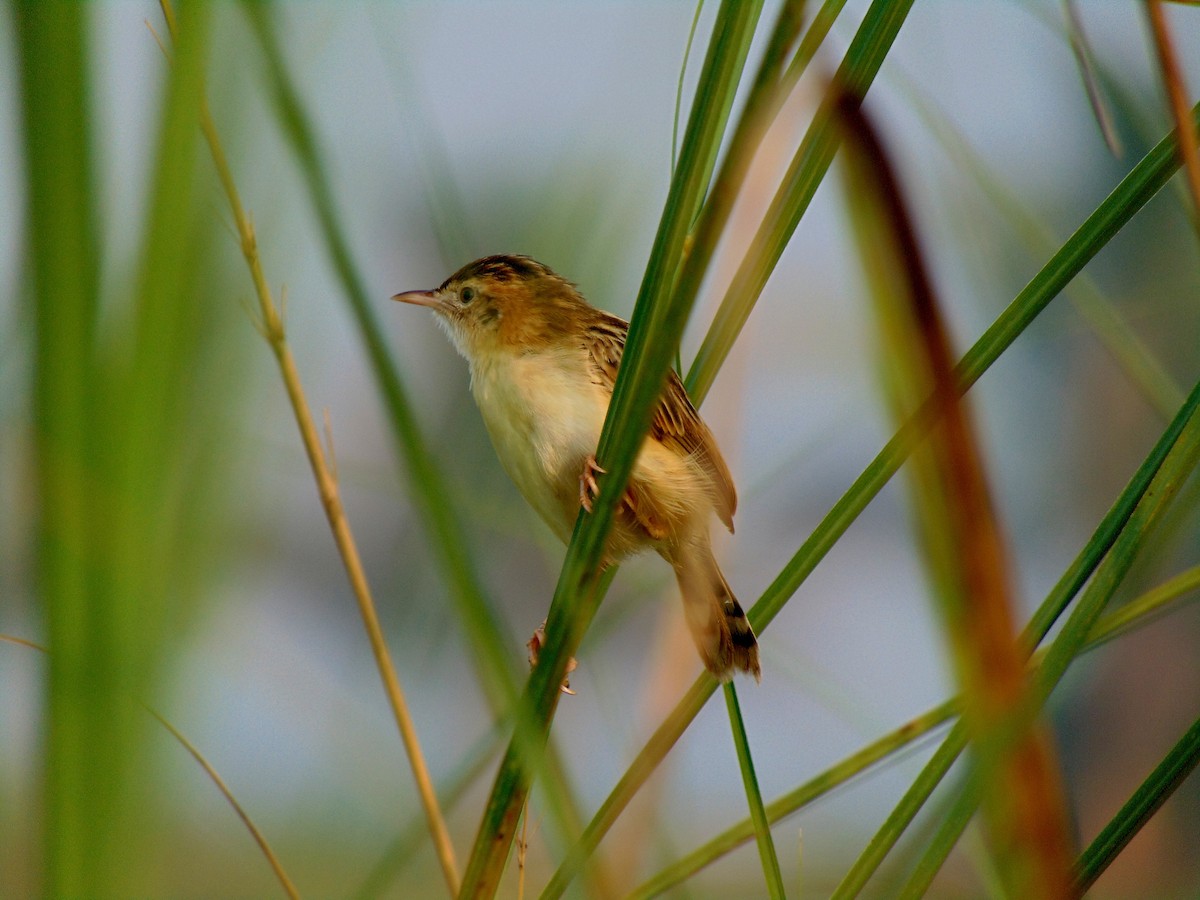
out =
column 506, row 304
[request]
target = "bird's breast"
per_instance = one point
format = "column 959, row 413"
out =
column 544, row 415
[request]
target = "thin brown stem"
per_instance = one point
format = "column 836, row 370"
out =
column 259, row 838
column 1080, row 46
column 327, row 488
column 1177, row 99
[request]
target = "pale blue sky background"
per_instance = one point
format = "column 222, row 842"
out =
column 553, row 122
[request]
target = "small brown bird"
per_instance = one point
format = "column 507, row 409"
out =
column 543, row 364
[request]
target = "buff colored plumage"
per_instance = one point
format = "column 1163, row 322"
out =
column 543, row 363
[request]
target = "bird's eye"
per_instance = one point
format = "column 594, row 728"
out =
column 466, row 295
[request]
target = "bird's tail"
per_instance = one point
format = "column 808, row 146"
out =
column 719, row 626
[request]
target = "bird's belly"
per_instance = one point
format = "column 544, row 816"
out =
column 543, row 424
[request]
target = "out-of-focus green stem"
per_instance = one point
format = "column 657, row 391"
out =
column 654, row 331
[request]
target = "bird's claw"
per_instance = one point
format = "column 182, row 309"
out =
column 588, row 488
column 535, row 645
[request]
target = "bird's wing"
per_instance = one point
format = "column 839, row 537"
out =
column 676, row 423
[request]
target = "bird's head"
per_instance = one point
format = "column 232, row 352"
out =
column 505, row 304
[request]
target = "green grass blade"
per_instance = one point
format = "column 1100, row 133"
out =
column 687, row 53
column 954, row 822
column 1170, row 772
column 150, row 416
column 110, row 421
column 1146, row 179
column 63, row 259
column 151, row 445
column 767, row 93
column 901, row 816
column 213, row 775
column 959, row 534
column 1133, row 192
column 1176, row 467
column 796, row 799
column 1136, row 613
column 717, row 112
column 415, row 834
column 1175, row 767
column 758, row 815
column 813, row 38
column 858, row 69
column 653, row 334
column 1117, row 623
column 1098, row 311
column 862, row 61
column 449, row 218
column 647, row 760
column 1098, row 545
column 492, row 647
column 498, row 672
column 764, row 98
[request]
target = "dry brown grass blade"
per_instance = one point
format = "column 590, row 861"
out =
column 1023, row 806
column 1080, row 46
column 327, row 488
column 259, row 838
column 1176, row 88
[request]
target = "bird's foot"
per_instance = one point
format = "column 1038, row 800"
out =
column 588, row 488
column 535, row 645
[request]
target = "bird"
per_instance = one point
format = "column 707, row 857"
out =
column 543, row 362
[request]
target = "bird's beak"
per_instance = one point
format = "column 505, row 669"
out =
column 420, row 298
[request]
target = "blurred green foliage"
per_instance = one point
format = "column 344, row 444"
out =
column 131, row 378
